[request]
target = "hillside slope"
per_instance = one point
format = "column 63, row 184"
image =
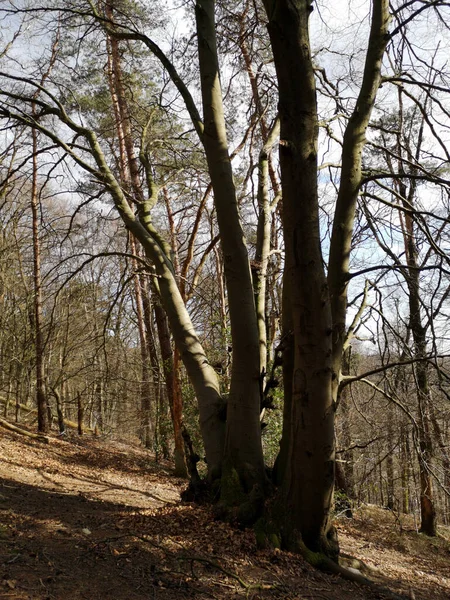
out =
column 93, row 519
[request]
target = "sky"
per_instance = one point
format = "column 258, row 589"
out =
column 339, row 38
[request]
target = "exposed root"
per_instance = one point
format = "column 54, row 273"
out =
column 353, row 572
column 192, row 558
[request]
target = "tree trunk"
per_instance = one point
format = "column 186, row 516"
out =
column 262, row 252
column 344, row 216
column 43, row 407
column 427, row 508
column 43, row 420
column 59, row 411
column 287, row 346
column 80, row 414
column 126, row 156
column 201, row 374
column 151, row 350
column 405, row 470
column 243, row 449
column 390, row 462
column 309, row 473
column 177, row 419
column 171, row 376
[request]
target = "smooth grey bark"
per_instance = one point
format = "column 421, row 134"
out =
column 200, row 372
column 243, row 449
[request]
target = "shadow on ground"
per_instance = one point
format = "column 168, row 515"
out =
column 58, row 545
column 61, row 541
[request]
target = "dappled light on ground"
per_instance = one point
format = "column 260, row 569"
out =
column 93, row 519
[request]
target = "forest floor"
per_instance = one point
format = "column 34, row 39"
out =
column 89, row 519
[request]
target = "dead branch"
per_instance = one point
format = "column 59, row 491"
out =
column 35, row 436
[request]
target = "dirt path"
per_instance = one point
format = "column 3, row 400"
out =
column 88, row 519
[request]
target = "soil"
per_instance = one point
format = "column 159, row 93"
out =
column 86, row 518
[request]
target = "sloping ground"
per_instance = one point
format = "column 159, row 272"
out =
column 89, row 519
column 390, row 544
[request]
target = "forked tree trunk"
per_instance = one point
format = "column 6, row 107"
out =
column 309, row 480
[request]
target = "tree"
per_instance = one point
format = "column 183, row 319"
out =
column 318, row 302
column 315, row 297
column 244, row 399
column 402, row 140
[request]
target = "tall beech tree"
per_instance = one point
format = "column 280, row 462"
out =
column 317, row 302
column 315, row 296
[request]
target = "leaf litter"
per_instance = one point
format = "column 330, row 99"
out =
column 92, row 519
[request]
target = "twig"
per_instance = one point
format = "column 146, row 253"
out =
column 200, row 559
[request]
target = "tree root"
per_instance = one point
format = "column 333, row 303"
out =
column 192, row 558
column 350, row 573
